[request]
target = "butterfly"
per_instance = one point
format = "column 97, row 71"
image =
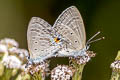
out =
column 40, row 40
column 70, row 27
column 65, row 38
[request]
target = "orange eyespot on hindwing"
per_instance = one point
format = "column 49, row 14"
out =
column 57, row 40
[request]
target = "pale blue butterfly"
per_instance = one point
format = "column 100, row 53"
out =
column 66, row 38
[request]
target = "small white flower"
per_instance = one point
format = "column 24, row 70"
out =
column 61, row 72
column 12, row 62
column 115, row 64
column 3, row 48
column 41, row 67
column 83, row 59
column 22, row 53
column 13, row 50
column 9, row 42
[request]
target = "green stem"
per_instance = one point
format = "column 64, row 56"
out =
column 37, row 76
column 23, row 77
column 78, row 73
column 7, row 74
column 115, row 76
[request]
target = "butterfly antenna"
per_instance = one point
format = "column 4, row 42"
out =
column 93, row 37
column 91, row 41
column 96, row 40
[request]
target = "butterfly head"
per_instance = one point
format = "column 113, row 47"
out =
column 87, row 46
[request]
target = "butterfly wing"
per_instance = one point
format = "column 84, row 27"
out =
column 39, row 36
column 70, row 26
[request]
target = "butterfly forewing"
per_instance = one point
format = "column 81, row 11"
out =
column 70, row 25
column 39, row 36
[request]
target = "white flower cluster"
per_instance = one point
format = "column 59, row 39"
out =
column 12, row 62
column 116, row 64
column 33, row 68
column 13, row 56
column 81, row 59
column 61, row 72
column 9, row 42
column 22, row 53
column 90, row 53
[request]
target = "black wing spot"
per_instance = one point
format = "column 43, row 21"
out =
column 67, row 51
column 75, row 41
column 58, row 38
column 66, row 28
column 35, row 49
column 71, row 33
column 33, row 37
column 36, row 42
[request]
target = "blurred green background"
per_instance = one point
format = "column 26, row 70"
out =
column 103, row 15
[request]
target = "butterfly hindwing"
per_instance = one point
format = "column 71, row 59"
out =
column 39, row 37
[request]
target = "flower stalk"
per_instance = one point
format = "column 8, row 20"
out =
column 23, row 77
column 78, row 73
column 79, row 63
column 116, row 68
column 37, row 76
column 7, row 74
column 115, row 76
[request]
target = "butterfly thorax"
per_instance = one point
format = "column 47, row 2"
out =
column 81, row 52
